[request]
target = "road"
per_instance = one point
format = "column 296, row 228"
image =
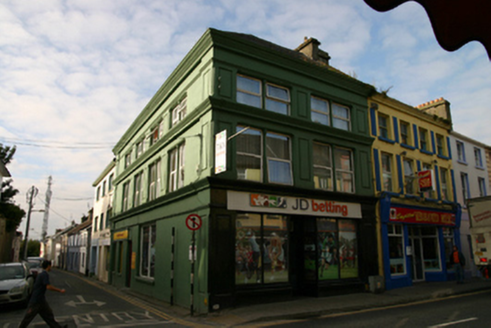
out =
column 85, row 304
column 467, row 311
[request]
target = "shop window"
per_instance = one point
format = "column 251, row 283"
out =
column 396, row 249
column 387, row 172
column 348, row 250
column 120, row 257
column 147, row 251
column 431, row 249
column 322, row 167
column 344, row 170
column 261, row 250
column 278, row 155
column 327, row 237
column 448, row 240
column 249, row 154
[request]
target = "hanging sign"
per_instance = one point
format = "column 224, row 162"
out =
column 425, row 180
column 193, row 222
column 221, row 152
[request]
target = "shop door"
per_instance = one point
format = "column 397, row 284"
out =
column 417, row 255
column 304, row 256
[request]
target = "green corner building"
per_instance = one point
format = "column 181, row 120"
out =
column 259, row 156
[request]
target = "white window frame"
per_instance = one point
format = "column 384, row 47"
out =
column 155, row 135
column 336, row 118
column 179, row 112
column 278, row 159
column 127, row 160
column 397, row 231
column 252, row 155
column 139, row 148
column 176, row 168
column 478, row 157
column 322, row 183
column 464, row 181
column 408, row 178
column 444, row 183
column 151, row 248
column 154, row 180
column 423, row 141
column 138, row 189
column 320, row 112
column 341, row 171
column 384, row 126
column 482, row 186
column 387, row 175
column 273, row 98
column 126, row 196
column 440, row 145
column 407, row 134
column 460, row 151
column 249, row 93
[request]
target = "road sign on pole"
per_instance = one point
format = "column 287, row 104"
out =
column 193, row 222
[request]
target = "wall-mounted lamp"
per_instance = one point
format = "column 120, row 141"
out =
column 404, row 153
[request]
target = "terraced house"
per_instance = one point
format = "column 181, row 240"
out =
column 418, row 213
column 260, row 157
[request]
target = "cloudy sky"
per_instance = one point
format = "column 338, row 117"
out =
column 75, row 74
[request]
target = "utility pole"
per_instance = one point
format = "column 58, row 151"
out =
column 44, row 231
column 31, row 193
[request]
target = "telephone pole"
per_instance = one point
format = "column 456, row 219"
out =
column 31, row 193
column 46, row 210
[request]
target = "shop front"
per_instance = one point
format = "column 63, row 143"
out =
column 417, row 242
column 299, row 246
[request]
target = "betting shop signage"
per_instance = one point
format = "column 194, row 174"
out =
column 409, row 215
column 257, row 202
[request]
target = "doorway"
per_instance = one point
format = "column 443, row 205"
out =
column 416, row 243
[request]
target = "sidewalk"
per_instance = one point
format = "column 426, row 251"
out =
column 309, row 307
column 313, row 307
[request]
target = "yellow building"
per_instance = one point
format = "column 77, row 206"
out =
column 417, row 213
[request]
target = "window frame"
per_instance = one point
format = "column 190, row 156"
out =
column 278, row 159
column 126, row 196
column 154, row 180
column 383, row 123
column 320, row 166
column 320, row 112
column 342, row 171
column 387, row 175
column 405, row 133
column 176, row 167
column 478, row 157
column 423, row 139
column 444, row 191
column 482, row 186
column 251, row 155
column 337, row 118
column 268, row 97
column 259, row 96
column 441, row 150
column 408, row 179
column 460, row 151
column 151, row 234
column 138, row 189
column 464, row 181
column 179, row 112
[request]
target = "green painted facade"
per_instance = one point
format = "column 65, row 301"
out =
column 207, row 80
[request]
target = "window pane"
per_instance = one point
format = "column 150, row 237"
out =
column 249, row 155
column 276, row 106
column 276, row 246
column 248, row 99
column 278, row 93
column 144, row 250
column 344, row 182
column 328, row 249
column 248, row 247
column 343, row 159
column 279, row 172
column 396, row 250
column 277, row 146
column 348, row 249
column 320, row 118
column 249, row 168
column 278, row 99
column 249, row 141
column 248, row 85
column 322, row 167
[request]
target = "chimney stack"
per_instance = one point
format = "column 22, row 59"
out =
column 310, row 48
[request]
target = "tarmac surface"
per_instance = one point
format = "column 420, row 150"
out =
column 311, row 307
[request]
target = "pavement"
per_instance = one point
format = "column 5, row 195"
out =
column 311, row 307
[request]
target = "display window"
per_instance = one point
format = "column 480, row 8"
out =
column 396, row 249
column 261, row 249
column 448, row 238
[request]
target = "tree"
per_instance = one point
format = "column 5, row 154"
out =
column 8, row 209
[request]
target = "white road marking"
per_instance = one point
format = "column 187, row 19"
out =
column 453, row 323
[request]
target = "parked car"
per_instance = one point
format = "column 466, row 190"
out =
column 16, row 283
column 35, row 265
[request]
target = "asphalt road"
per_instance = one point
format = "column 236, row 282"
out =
column 467, row 311
column 86, row 305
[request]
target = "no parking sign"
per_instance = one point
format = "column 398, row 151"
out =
column 193, row 222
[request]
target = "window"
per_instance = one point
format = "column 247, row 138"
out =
column 101, row 222
column 383, row 126
column 138, row 192
column 344, row 170
column 340, row 117
column 444, row 183
column 127, row 160
column 477, row 157
column 460, row 151
column 176, row 172
column 448, row 240
column 387, row 172
column 427, row 193
column 405, row 133
column 408, row 176
column 423, row 139
column 96, row 225
column 154, row 180
column 440, row 145
column 110, row 182
column 179, row 112
column 320, row 111
column 126, row 193
column 120, row 257
column 396, row 249
column 261, row 249
column 277, row 99
column 464, row 180
column 98, row 194
column 108, row 216
column 482, row 186
column 147, row 253
column 249, row 154
column 139, row 148
column 278, row 156
column 322, row 167
column 104, row 188
column 249, row 91
column 154, row 135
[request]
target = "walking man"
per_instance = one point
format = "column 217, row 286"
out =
column 37, row 303
column 458, row 261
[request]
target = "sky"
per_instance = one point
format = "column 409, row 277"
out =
column 75, row 74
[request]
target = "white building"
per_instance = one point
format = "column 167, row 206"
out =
column 101, row 235
column 471, row 181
